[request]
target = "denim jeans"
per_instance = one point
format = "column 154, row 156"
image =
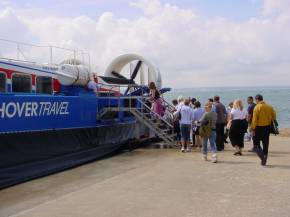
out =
column 185, row 132
column 211, row 139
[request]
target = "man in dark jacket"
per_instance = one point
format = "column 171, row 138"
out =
column 220, row 109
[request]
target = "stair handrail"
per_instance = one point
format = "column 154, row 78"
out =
column 159, row 116
column 168, row 104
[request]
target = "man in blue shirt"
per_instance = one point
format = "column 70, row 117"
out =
column 187, row 116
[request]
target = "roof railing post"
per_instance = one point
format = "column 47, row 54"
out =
column 83, row 56
column 18, row 50
column 89, row 61
column 50, row 48
column 75, row 53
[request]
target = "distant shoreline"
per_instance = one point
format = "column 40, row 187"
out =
column 230, row 87
column 278, row 97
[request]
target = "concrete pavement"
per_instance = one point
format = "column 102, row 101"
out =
column 161, row 183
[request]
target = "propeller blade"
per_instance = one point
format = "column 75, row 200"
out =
column 135, row 72
column 116, row 74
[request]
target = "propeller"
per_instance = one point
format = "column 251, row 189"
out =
column 133, row 76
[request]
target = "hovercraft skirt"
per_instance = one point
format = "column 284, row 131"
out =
column 25, row 156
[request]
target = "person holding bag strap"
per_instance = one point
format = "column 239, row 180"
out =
column 208, row 132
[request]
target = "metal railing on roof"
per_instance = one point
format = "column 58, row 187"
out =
column 21, row 56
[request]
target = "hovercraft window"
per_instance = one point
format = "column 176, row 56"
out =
column 2, row 82
column 43, row 85
column 21, row 83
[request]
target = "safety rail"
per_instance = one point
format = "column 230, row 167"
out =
column 155, row 114
column 116, row 88
column 113, row 88
column 167, row 104
column 141, row 111
column 21, row 57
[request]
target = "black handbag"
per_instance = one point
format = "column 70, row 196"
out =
column 274, row 128
column 245, row 125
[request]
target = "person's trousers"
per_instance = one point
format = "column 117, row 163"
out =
column 177, row 130
column 193, row 138
column 262, row 134
column 226, row 135
column 220, row 136
column 212, row 143
column 185, row 132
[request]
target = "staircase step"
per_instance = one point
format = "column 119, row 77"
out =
column 162, row 129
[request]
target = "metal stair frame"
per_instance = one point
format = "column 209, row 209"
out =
column 141, row 114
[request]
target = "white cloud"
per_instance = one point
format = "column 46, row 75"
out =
column 5, row 2
column 150, row 7
column 189, row 50
column 275, row 6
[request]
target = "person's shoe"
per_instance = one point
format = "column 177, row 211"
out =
column 264, row 161
column 182, row 149
column 204, row 157
column 188, row 150
column 238, row 153
column 226, row 142
column 214, row 158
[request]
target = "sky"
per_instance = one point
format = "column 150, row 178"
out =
column 193, row 42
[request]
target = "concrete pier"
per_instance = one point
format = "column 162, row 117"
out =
column 161, row 183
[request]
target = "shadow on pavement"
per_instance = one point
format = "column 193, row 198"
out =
column 285, row 167
column 233, row 162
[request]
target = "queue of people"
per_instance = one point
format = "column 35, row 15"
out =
column 214, row 123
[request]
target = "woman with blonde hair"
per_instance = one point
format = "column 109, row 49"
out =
column 238, row 126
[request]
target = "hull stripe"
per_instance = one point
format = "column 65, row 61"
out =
column 26, row 67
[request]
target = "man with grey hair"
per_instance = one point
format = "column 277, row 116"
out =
column 221, row 111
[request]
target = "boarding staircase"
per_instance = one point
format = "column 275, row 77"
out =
column 159, row 125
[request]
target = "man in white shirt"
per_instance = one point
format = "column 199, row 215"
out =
column 187, row 116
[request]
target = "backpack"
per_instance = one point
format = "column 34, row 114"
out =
column 205, row 130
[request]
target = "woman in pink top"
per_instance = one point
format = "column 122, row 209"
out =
column 157, row 106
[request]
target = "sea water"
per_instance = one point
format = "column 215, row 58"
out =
column 278, row 97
